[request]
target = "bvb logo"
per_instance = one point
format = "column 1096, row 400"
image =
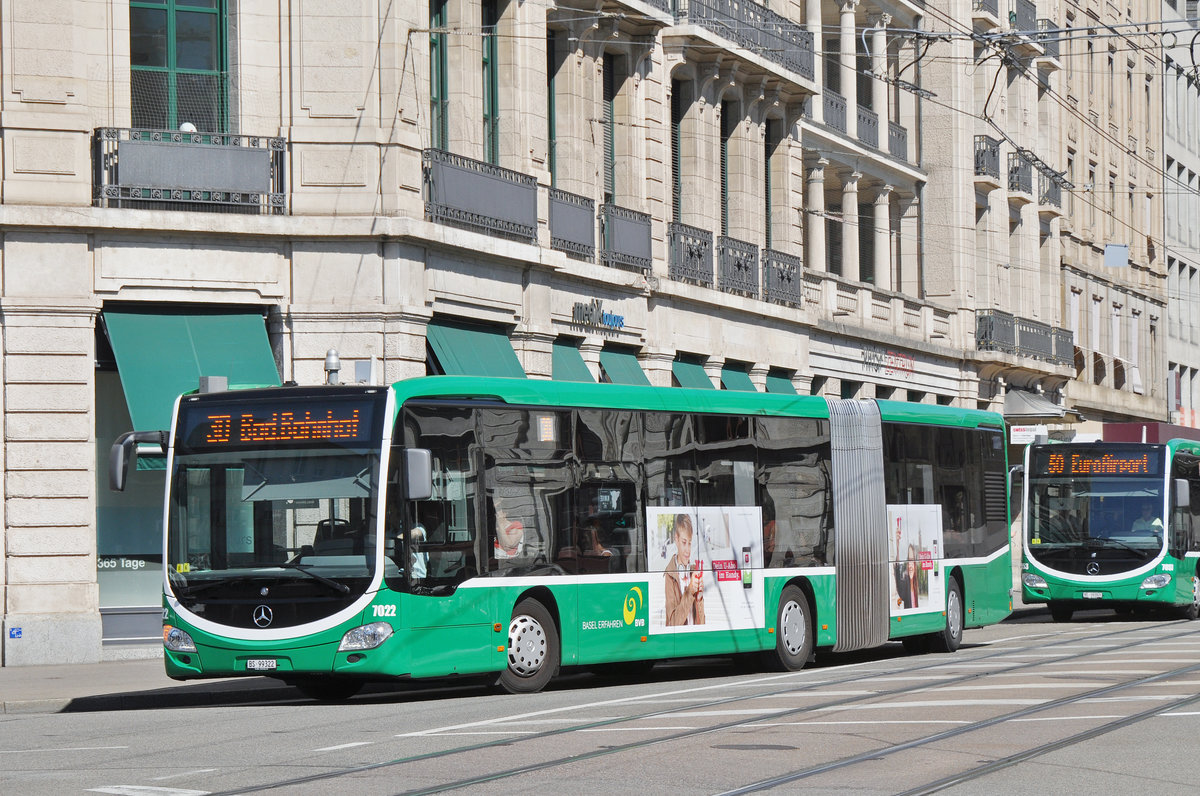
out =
column 633, row 601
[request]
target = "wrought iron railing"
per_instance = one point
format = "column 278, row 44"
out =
column 868, row 126
column 738, row 266
column 835, row 109
column 1064, row 346
column 175, row 170
column 1048, row 37
column 1025, row 17
column 1049, row 190
column 691, row 253
column 756, row 28
column 1020, row 174
column 897, row 141
column 626, row 237
column 995, row 331
column 781, row 277
column 1034, row 339
column 987, row 156
column 573, row 224
column 987, row 6
column 479, row 196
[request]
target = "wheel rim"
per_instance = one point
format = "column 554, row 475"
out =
column 526, row 646
column 791, row 627
column 954, row 615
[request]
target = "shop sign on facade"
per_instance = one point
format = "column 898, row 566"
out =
column 591, row 313
column 887, row 362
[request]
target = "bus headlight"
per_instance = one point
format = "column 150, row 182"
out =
column 177, row 640
column 367, row 637
column 1156, row 581
column 1034, row 581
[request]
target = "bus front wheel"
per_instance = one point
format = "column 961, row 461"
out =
column 1193, row 611
column 793, row 632
column 1061, row 613
column 533, row 649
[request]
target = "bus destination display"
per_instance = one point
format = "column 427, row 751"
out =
column 1068, row 462
column 218, row 426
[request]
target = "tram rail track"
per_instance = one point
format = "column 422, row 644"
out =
column 808, row 687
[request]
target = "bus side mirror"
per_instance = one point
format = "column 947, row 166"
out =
column 124, row 453
column 1183, row 498
column 418, row 465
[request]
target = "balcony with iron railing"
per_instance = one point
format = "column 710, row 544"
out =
column 897, row 141
column 1049, row 191
column 987, row 157
column 690, row 252
column 868, row 126
column 995, row 331
column 1022, row 19
column 986, row 12
column 781, row 277
column 737, row 265
column 834, row 107
column 479, row 196
column 177, row 170
column 1020, row 174
column 1000, row 331
column 1048, row 37
column 755, row 28
column 573, row 224
column 625, row 235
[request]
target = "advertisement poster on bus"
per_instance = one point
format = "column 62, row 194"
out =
column 711, row 560
column 915, row 550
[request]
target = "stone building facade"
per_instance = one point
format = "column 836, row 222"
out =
column 707, row 193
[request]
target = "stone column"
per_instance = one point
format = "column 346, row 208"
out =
column 883, row 238
column 51, row 603
column 812, row 16
column 849, row 67
column 758, row 376
column 590, row 350
column 850, row 269
column 814, row 222
column 879, row 65
column 657, row 364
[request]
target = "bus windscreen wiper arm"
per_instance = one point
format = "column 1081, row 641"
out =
column 341, row 588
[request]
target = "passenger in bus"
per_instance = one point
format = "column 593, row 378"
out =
column 1149, row 522
column 906, row 575
column 684, row 585
column 510, row 534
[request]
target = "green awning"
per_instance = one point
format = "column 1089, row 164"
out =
column 568, row 364
column 622, row 368
column 690, row 374
column 780, row 384
column 464, row 349
column 736, row 379
column 161, row 355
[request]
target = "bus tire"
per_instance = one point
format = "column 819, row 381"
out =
column 793, row 632
column 949, row 638
column 1060, row 613
column 328, row 689
column 533, row 649
column 1192, row 611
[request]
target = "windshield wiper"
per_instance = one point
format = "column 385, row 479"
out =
column 1102, row 541
column 340, row 588
column 203, row 586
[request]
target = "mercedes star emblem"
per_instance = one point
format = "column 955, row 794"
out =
column 1093, row 568
column 263, row 616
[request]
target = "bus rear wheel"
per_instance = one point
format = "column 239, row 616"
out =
column 950, row 637
column 793, row 632
column 533, row 649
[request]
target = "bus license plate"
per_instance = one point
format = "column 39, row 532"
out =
column 260, row 664
column 1091, row 595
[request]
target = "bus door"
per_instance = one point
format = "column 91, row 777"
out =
column 860, row 518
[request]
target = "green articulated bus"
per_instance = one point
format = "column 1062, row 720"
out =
column 1112, row 525
column 334, row 535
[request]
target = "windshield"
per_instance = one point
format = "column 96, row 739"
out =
column 1074, row 518
column 268, row 509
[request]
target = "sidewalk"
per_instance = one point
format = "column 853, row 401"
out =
column 123, row 684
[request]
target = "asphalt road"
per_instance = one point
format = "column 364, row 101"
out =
column 1094, row 706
